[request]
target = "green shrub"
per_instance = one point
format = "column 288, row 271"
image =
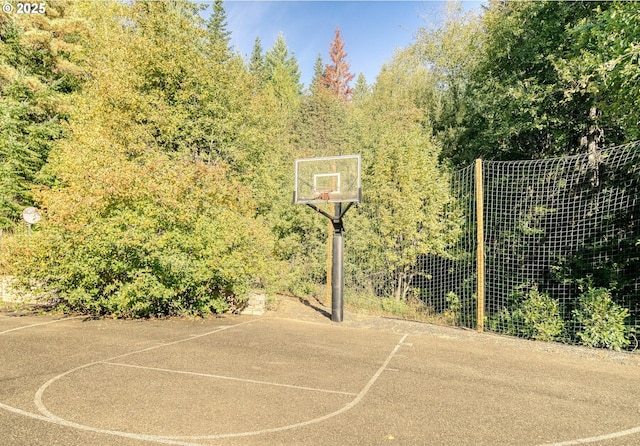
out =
column 541, row 317
column 453, row 313
column 532, row 315
column 507, row 322
column 169, row 238
column 601, row 320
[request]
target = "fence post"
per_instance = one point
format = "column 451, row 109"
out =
column 480, row 240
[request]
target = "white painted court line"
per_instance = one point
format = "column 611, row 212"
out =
column 38, row 397
column 611, row 436
column 140, row 437
column 186, row 440
column 50, row 418
column 345, row 408
column 231, row 378
column 41, row 323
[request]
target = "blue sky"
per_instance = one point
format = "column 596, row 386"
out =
column 371, row 30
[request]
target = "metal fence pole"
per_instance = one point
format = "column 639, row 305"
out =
column 480, row 239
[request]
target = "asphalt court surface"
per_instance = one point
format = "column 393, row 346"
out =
column 276, row 380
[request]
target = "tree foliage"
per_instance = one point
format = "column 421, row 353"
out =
column 147, row 182
column 406, row 191
column 525, row 81
column 282, row 73
column 40, row 64
column 148, row 237
column 318, row 74
column 219, row 36
column 604, row 65
column 451, row 52
column 256, row 63
column 161, row 160
column 521, row 107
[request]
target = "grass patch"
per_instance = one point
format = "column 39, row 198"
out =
column 389, row 306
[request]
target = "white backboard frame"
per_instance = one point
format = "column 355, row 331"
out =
column 347, row 179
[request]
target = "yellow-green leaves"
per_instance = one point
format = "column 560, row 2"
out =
column 148, row 214
column 405, row 189
column 40, row 63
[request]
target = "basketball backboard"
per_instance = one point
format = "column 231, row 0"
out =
column 330, row 179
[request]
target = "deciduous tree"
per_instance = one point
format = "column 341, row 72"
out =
column 405, row 188
column 151, row 212
column 518, row 104
column 603, row 64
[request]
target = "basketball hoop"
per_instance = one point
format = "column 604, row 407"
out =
column 324, row 180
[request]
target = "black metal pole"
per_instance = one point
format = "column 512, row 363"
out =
column 337, row 278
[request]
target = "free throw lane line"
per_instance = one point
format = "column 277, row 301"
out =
column 342, row 410
column 231, row 378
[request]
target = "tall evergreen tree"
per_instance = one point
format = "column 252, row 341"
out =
column 337, row 76
column 217, row 24
column 256, row 64
column 219, row 36
column 282, row 72
column 318, row 74
column 361, row 90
